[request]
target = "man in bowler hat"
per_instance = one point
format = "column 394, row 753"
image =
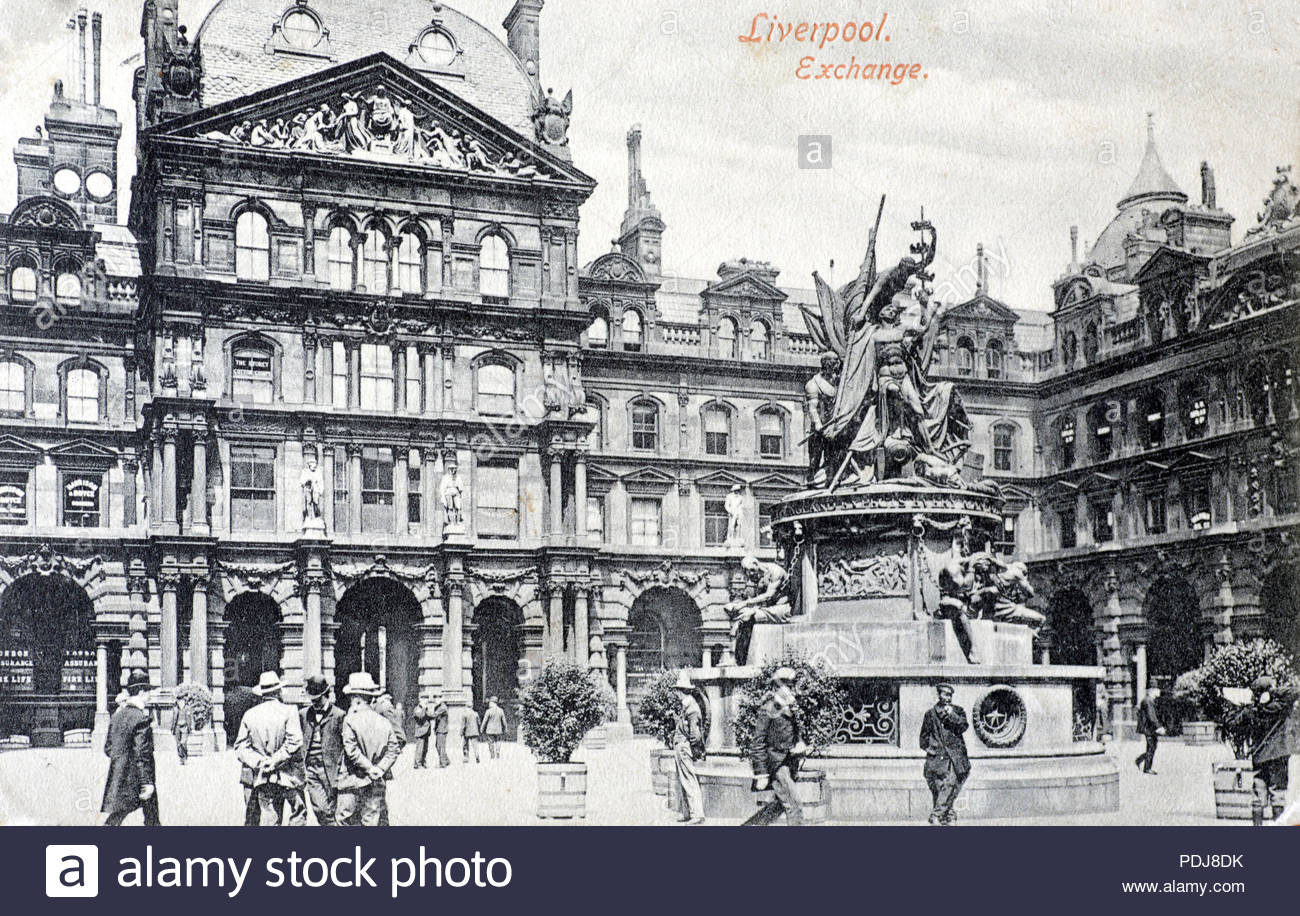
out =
column 322, row 741
column 129, row 747
column 776, row 751
column 946, row 763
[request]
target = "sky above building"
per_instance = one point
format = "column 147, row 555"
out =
column 1031, row 118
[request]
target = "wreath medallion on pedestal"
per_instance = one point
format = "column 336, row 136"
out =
column 1000, row 717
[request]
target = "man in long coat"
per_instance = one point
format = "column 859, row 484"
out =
column 370, row 748
column 1148, row 725
column 270, row 745
column 129, row 746
column 776, row 751
column 322, row 743
column 494, row 727
column 946, row 763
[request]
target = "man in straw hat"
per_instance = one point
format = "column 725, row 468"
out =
column 129, row 746
column 688, row 746
column 322, row 742
column 946, row 763
column 775, row 752
column 270, row 745
column 370, row 748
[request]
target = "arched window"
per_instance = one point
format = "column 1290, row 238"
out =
column 760, row 340
column 996, row 358
column 13, row 387
column 771, row 434
column 596, row 414
column 1065, row 440
column 374, row 262
column 22, row 283
column 341, row 259
column 1004, row 448
column 494, row 267
column 495, row 383
column 598, row 331
column 67, row 288
column 301, row 29
column 1102, row 418
column 645, row 426
column 410, row 264
column 252, row 373
column 717, row 430
column 633, row 331
column 728, row 338
column 83, row 395
column 965, row 357
column 252, row 247
column 1151, row 416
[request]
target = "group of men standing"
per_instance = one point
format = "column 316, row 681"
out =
column 338, row 762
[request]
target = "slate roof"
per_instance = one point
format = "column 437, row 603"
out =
column 118, row 250
column 236, row 61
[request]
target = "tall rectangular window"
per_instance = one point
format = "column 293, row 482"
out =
column 13, row 387
column 83, row 396
column 645, row 427
column 771, row 435
column 1067, row 445
column 252, row 375
column 13, row 497
column 1157, row 521
column 1103, row 523
column 1198, row 506
column 645, row 522
column 716, row 523
column 1009, row 525
column 340, row 489
column 1004, row 449
column 377, row 490
column 252, row 489
column 765, row 538
column 596, row 518
column 376, row 377
column 1105, row 441
column 1069, row 526
column 717, row 431
column 339, row 374
column 496, row 501
column 82, row 500
column 414, row 496
column 413, row 380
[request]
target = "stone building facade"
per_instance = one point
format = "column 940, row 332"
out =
column 340, row 394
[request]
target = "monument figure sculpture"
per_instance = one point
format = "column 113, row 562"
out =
column 312, row 483
column 450, row 491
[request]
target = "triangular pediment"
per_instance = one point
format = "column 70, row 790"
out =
column 1168, row 260
column 19, row 452
column 777, row 483
column 746, row 286
column 1190, row 459
column 719, row 480
column 1062, row 489
column 984, row 308
column 649, row 479
column 82, row 451
column 376, row 110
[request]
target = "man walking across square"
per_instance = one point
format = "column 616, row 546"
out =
column 370, row 748
column 494, row 727
column 270, row 745
column 470, row 734
column 322, row 740
column 688, row 746
column 775, row 752
column 421, row 731
column 1148, row 725
column 946, row 763
column 129, row 746
column 441, row 716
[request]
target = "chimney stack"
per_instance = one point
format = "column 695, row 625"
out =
column 1074, row 249
column 982, row 284
column 634, row 179
column 81, row 55
column 97, row 43
column 1209, row 197
column 523, row 35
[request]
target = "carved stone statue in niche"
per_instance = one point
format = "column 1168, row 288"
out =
column 312, row 483
column 167, row 374
column 735, row 506
column 198, row 376
column 450, row 491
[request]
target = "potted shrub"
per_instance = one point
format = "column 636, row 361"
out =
column 598, row 737
column 195, row 701
column 819, row 707
column 658, row 714
column 1186, row 696
column 1238, row 666
column 556, row 712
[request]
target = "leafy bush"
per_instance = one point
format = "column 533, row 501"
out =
column 819, row 702
column 1186, row 695
column 198, row 701
column 608, row 698
column 661, row 708
column 557, row 710
column 1239, row 665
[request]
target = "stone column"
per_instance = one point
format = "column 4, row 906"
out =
column 130, row 510
column 399, row 377
column 717, row 733
column 199, row 490
column 429, row 386
column 429, row 484
column 556, row 466
column 311, row 628
column 1140, row 664
column 309, row 345
column 169, row 479
column 101, row 680
column 401, row 488
column 620, row 683
column 580, row 498
column 555, row 624
column 199, row 664
column 354, row 375
column 155, row 486
column 354, row 488
column 168, row 582
column 453, row 637
column 581, row 629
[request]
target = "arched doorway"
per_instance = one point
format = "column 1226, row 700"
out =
column 1173, row 615
column 1070, row 619
column 498, row 648
column 1279, row 602
column 252, row 647
column 664, row 626
column 377, row 620
column 47, row 659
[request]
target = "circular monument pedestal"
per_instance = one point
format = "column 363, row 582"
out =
column 869, row 606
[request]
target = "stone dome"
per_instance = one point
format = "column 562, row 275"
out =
column 251, row 45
